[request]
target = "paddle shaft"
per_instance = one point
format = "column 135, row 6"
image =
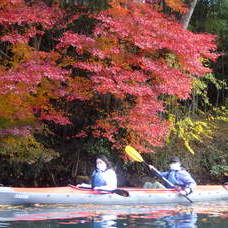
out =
column 117, row 191
column 168, row 183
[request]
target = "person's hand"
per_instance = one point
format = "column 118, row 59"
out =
column 186, row 191
column 95, row 188
column 101, row 188
column 151, row 167
column 81, row 185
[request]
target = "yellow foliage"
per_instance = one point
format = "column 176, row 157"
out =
column 14, row 106
column 186, row 143
column 81, row 86
column 21, row 53
column 190, row 130
column 219, row 113
column 47, row 89
column 106, row 43
column 67, row 61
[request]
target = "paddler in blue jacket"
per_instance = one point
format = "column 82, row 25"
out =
column 103, row 177
column 177, row 176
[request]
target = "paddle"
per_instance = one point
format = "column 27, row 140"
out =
column 134, row 154
column 117, row 191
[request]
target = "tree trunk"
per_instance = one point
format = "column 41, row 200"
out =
column 185, row 19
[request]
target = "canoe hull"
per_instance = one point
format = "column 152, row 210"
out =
column 137, row 196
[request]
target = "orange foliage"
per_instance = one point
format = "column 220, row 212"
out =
column 177, row 5
column 79, row 88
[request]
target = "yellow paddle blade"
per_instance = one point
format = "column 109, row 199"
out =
column 133, row 153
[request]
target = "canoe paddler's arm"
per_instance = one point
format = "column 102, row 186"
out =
column 188, row 181
column 83, row 185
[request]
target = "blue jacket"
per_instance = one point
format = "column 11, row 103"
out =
column 179, row 178
column 105, row 178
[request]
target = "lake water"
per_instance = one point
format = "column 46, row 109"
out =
column 89, row 216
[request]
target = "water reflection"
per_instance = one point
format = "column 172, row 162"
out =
column 115, row 216
column 183, row 220
column 106, row 221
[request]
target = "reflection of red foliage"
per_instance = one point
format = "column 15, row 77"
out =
column 224, row 215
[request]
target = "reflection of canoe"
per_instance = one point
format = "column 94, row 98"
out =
column 48, row 212
column 89, row 216
column 69, row 195
column 36, row 214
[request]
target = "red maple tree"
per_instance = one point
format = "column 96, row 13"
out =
column 135, row 54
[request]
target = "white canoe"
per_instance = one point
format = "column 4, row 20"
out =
column 137, row 196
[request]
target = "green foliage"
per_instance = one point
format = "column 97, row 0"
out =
column 200, row 90
column 219, row 170
column 7, row 123
column 4, row 122
column 25, row 149
column 219, row 84
column 95, row 146
column 212, row 17
column 201, row 85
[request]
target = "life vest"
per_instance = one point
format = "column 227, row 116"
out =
column 98, row 178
